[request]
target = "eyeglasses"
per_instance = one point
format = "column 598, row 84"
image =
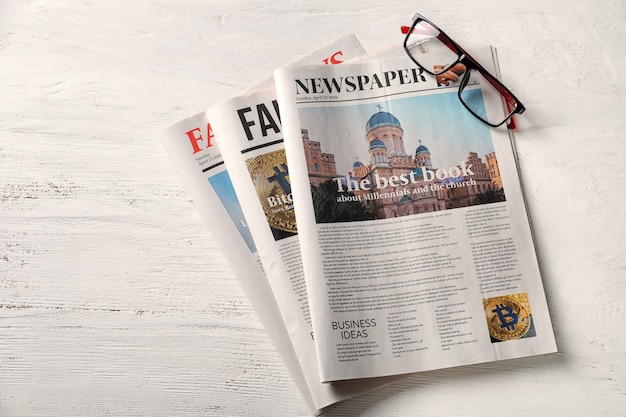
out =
column 434, row 52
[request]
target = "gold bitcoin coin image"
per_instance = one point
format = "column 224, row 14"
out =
column 508, row 317
column 270, row 176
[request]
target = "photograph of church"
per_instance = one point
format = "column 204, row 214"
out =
column 393, row 182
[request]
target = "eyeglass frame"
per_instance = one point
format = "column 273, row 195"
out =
column 470, row 63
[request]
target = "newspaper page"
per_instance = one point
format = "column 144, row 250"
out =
column 196, row 158
column 193, row 146
column 416, row 245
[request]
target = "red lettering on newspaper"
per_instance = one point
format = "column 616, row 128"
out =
column 195, row 137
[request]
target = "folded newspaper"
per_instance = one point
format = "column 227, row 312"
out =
column 416, row 245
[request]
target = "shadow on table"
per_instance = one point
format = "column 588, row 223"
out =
column 408, row 391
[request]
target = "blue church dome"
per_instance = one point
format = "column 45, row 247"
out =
column 357, row 164
column 382, row 118
column 377, row 143
column 421, row 149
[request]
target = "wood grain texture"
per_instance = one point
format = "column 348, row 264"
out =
column 113, row 299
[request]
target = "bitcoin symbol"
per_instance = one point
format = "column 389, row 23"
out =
column 504, row 317
column 507, row 316
column 270, row 174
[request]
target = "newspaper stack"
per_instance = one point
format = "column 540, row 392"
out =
column 377, row 227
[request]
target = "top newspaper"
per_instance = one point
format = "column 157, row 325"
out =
column 416, row 245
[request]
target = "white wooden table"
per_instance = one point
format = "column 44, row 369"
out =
column 113, row 300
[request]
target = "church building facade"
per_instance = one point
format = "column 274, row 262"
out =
column 388, row 158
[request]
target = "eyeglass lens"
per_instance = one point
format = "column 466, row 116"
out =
column 479, row 90
column 425, row 45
